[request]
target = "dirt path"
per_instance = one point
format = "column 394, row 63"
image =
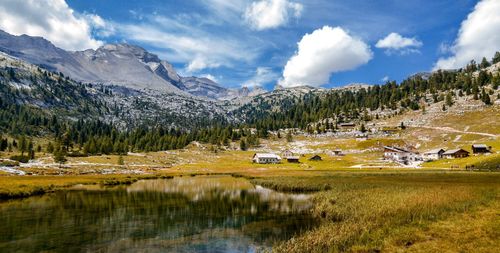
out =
column 449, row 129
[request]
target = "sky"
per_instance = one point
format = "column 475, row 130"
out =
column 321, row 43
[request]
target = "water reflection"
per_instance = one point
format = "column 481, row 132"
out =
column 185, row 214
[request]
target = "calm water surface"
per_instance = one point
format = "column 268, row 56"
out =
column 183, row 214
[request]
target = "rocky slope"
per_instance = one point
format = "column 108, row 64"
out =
column 113, row 64
column 23, row 83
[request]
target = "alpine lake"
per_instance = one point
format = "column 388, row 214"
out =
column 181, row 214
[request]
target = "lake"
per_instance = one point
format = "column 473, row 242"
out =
column 182, row 214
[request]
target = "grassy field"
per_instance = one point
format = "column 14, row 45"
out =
column 24, row 186
column 398, row 211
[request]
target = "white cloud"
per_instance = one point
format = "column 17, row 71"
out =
column 385, row 79
column 51, row 19
column 395, row 43
column 101, row 27
column 211, row 77
column 479, row 36
column 178, row 41
column 321, row 53
column 266, row 14
column 200, row 63
column 262, row 76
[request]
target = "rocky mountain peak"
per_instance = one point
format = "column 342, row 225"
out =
column 118, row 64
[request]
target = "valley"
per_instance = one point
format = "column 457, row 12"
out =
column 385, row 167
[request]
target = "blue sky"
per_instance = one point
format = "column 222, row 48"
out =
column 245, row 42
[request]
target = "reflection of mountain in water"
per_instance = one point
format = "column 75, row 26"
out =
column 203, row 188
column 196, row 214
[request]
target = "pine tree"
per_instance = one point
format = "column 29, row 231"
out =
column 243, row 144
column 289, row 137
column 449, row 99
column 362, row 128
column 485, row 98
column 496, row 58
column 50, row 147
column 484, row 63
column 120, row 160
column 60, row 156
column 23, row 145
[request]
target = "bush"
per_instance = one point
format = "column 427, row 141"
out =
column 9, row 163
column 20, row 158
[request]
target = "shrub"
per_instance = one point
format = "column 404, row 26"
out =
column 20, row 158
column 9, row 163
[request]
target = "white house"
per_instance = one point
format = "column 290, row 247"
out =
column 400, row 155
column 266, row 158
column 434, row 154
column 287, row 153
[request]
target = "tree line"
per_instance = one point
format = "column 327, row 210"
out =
column 91, row 136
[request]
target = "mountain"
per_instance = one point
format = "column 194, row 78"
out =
column 353, row 87
column 125, row 65
column 203, row 87
column 112, row 64
column 26, row 85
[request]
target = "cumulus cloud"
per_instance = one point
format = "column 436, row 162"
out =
column 184, row 42
column 99, row 25
column 266, row 14
column 51, row 19
column 211, row 77
column 478, row 37
column 262, row 76
column 200, row 63
column 394, row 42
column 321, row 53
column 385, row 79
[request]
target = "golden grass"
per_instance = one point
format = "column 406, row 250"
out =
column 364, row 212
column 478, row 161
column 23, row 186
column 476, row 231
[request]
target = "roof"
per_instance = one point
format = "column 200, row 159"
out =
column 479, row 146
column 347, row 124
column 267, row 155
column 293, row 158
column 397, row 149
column 315, row 157
column 434, row 151
column 453, row 151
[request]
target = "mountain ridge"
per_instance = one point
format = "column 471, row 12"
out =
column 111, row 64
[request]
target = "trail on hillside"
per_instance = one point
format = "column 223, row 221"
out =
column 449, row 129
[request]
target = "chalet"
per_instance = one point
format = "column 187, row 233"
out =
column 264, row 158
column 287, row 153
column 361, row 137
column 347, row 126
column 400, row 155
column 315, row 158
column 455, row 153
column 292, row 159
column 480, row 149
column 434, row 154
column 337, row 152
column 389, row 130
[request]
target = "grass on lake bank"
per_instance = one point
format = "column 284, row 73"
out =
column 394, row 212
column 25, row 186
